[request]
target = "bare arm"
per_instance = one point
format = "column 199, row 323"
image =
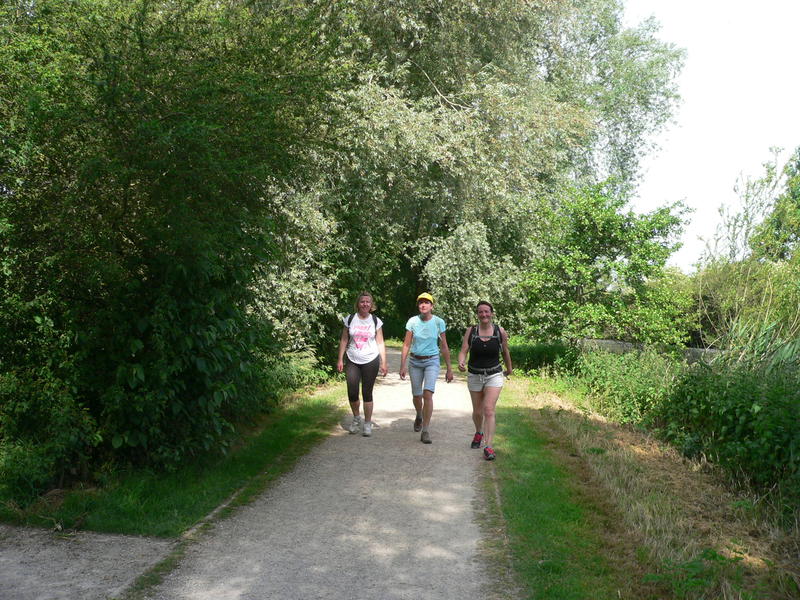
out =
column 343, row 339
column 462, row 355
column 404, row 354
column 506, row 352
column 448, row 377
column 382, row 350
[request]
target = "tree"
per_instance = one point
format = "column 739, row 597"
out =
column 778, row 235
column 747, row 277
column 599, row 274
column 462, row 283
column 482, row 112
column 147, row 152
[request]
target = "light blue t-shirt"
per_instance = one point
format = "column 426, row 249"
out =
column 426, row 334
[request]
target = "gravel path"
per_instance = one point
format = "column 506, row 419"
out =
column 37, row 564
column 383, row 517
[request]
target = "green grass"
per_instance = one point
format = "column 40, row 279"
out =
column 167, row 504
column 554, row 538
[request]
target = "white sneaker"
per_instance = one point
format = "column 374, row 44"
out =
column 367, row 429
column 355, row 426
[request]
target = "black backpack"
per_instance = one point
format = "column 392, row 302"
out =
column 474, row 334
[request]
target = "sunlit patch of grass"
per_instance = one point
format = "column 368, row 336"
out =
column 555, row 530
column 686, row 521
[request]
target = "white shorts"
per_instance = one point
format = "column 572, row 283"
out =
column 476, row 383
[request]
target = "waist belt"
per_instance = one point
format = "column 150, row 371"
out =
column 489, row 371
column 418, row 357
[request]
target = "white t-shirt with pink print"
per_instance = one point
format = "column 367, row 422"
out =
column 362, row 347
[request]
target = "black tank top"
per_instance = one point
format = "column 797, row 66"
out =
column 484, row 354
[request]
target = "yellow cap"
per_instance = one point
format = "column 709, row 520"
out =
column 425, row 296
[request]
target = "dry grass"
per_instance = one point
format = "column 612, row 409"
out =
column 676, row 508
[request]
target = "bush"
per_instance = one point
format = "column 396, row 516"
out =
column 741, row 415
column 140, row 200
column 46, row 436
column 529, row 356
column 628, row 387
column 291, row 371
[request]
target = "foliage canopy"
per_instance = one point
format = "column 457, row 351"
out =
column 190, row 191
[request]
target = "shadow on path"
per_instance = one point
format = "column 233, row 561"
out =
column 382, row 517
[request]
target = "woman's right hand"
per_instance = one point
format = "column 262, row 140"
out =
column 402, row 372
column 340, row 365
column 461, row 366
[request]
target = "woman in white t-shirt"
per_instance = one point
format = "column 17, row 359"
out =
column 362, row 340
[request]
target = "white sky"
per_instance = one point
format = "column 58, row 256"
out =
column 741, row 95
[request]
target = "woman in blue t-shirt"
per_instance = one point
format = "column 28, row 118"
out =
column 424, row 334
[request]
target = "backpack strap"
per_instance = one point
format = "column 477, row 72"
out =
column 475, row 329
column 350, row 320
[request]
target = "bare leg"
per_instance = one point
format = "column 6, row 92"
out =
column 490, row 396
column 427, row 408
column 477, row 410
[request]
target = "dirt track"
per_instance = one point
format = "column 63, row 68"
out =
column 382, row 517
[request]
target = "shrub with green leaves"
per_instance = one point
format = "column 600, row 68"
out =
column 741, row 412
column 529, row 356
column 628, row 387
column 742, row 416
column 46, row 435
column 144, row 149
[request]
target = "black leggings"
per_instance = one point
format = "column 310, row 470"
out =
column 366, row 374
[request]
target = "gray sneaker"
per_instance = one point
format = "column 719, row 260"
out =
column 425, row 438
column 367, row 429
column 355, row 426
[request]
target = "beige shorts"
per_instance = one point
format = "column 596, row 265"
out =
column 476, row 383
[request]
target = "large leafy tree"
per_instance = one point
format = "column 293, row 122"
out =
column 474, row 116
column 147, row 148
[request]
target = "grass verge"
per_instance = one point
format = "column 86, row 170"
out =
column 692, row 531
column 565, row 540
column 168, row 504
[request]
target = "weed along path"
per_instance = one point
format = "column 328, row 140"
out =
column 381, row 517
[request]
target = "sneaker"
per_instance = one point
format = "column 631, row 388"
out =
column 425, row 438
column 488, row 453
column 355, row 426
column 418, row 424
column 367, row 429
column 476, row 441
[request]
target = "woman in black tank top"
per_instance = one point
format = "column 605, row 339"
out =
column 485, row 342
